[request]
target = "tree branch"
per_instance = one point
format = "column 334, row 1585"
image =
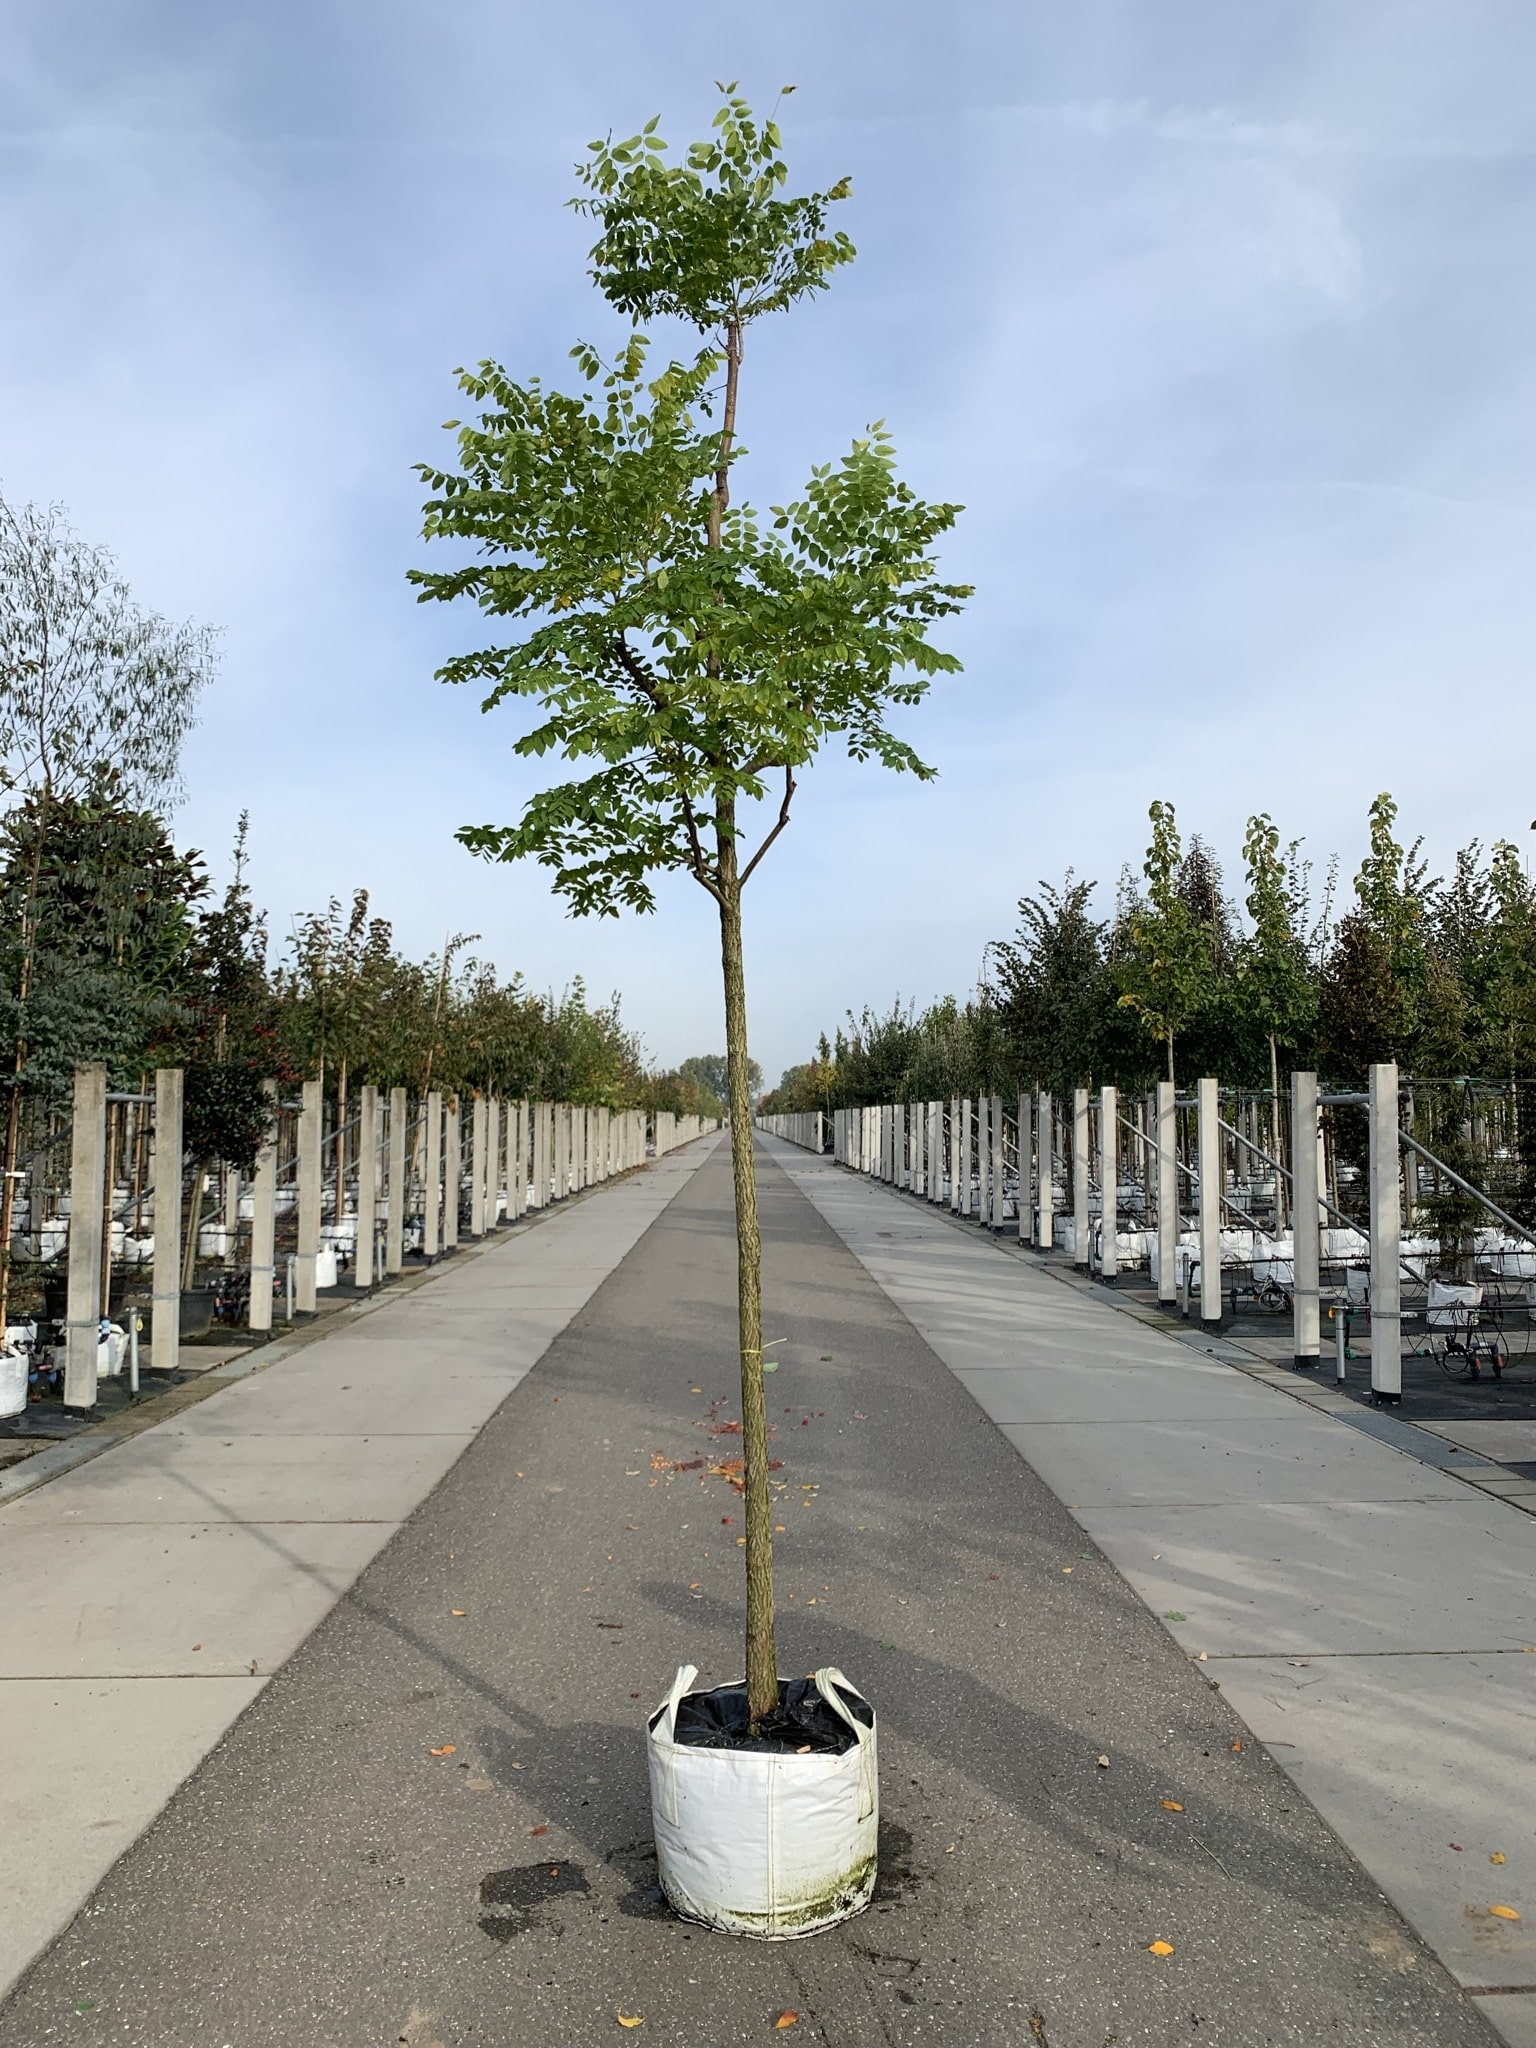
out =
column 789, row 792
column 636, row 671
column 700, row 871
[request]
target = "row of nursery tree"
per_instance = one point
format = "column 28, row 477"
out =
column 115, row 946
column 1180, row 979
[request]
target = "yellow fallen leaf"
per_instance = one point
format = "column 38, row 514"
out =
column 1497, row 1856
column 1504, row 1913
column 447, row 1749
column 1172, row 1806
column 458, row 1612
column 1159, row 1948
column 786, row 2019
column 630, row 2019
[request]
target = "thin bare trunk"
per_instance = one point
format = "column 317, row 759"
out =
column 24, row 991
column 341, row 1142
column 762, row 1656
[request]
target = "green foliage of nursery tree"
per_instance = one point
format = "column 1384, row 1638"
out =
column 1167, row 970
column 689, row 652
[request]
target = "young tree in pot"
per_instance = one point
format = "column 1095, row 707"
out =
column 698, row 657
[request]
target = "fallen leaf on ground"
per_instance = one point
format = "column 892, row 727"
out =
column 859, row 1415
column 458, row 1612
column 1237, row 1749
column 787, row 2019
column 1172, row 1806
column 1066, row 1571
column 1457, row 1847
column 804, row 1749
column 541, row 1829
column 1173, row 1614
column 779, row 1529
column 197, row 1646
column 1159, row 1948
column 1504, row 1913
column 695, row 1390
column 448, row 1749
column 1103, row 1763
column 630, row 2019
column 1497, row 1856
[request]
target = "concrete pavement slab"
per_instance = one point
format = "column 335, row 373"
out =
column 165, row 1477
column 1509, row 1443
column 1421, row 1752
column 162, row 1599
column 90, row 1760
column 1291, row 1455
column 1344, row 1577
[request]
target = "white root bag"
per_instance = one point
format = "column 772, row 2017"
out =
column 761, row 1843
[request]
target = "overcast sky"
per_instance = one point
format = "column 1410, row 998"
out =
column 1216, row 318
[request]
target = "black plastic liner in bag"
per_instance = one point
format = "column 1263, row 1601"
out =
column 718, row 1720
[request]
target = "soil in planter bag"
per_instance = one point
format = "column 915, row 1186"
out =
column 772, row 1837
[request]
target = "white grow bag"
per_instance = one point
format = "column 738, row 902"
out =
column 765, row 1843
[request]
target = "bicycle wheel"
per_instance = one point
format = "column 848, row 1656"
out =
column 1452, row 1357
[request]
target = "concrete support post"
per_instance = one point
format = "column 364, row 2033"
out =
column 367, row 1184
column 983, row 1159
column 1045, row 1172
column 432, row 1177
column 264, row 1220
column 479, row 1131
column 453, row 1174
column 1080, row 1225
column 1386, row 1235
column 1211, row 1190
column 495, row 1126
column 310, row 1127
column 165, row 1170
column 394, row 1190
column 87, row 1240
column 1109, row 1182
column 1306, row 1234
column 1167, row 1191
column 539, row 1155
column 1024, row 1161
column 997, row 1175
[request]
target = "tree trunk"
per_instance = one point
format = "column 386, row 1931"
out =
column 194, row 1224
column 762, row 1655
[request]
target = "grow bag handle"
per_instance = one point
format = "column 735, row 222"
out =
column 831, row 1684
column 665, row 1716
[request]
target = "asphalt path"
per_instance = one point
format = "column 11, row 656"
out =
column 433, row 1825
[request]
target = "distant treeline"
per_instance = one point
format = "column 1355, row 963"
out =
column 1435, row 972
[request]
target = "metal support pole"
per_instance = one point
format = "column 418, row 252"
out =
column 1167, row 1192
column 165, row 1180
column 432, row 1177
column 1306, row 1304
column 87, row 1192
column 264, row 1219
column 1386, row 1236
column 1208, row 1146
column 309, row 1198
column 1045, row 1149
column 1109, row 1183
column 367, row 1183
column 1080, row 1225
column 394, row 1193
